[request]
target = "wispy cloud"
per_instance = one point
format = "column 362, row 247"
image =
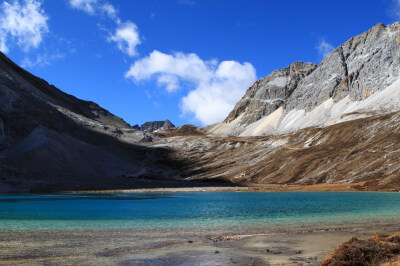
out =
column 324, row 48
column 125, row 35
column 96, row 7
column 89, row 6
column 22, row 23
column 217, row 85
column 127, row 38
column 44, row 59
column 110, row 11
column 213, row 87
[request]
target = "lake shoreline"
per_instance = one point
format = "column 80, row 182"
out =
column 164, row 228
column 354, row 187
column 79, row 247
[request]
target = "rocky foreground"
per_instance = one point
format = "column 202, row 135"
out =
column 193, row 248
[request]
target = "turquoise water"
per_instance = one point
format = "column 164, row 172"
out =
column 216, row 210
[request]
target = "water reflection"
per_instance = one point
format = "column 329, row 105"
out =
column 85, row 196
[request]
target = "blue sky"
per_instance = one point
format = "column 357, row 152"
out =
column 188, row 61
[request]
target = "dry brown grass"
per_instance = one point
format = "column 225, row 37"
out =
column 380, row 249
column 357, row 155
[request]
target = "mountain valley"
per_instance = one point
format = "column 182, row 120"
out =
column 335, row 123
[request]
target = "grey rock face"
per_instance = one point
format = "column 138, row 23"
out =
column 156, row 125
column 50, row 140
column 27, row 101
column 268, row 94
column 365, row 64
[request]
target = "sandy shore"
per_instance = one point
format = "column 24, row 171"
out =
column 361, row 186
column 295, row 247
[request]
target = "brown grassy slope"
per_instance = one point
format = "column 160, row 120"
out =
column 380, row 249
column 364, row 150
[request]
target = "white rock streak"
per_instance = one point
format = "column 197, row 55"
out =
column 327, row 113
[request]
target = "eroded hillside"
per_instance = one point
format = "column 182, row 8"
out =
column 335, row 123
column 364, row 151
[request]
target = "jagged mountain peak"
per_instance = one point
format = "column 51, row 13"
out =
column 156, row 125
column 51, row 140
column 284, row 100
column 269, row 93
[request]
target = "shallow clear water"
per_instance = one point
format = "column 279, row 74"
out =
column 216, row 210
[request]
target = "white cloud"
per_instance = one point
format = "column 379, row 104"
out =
column 25, row 23
column 127, row 38
column 324, row 48
column 3, row 45
column 217, row 86
column 96, row 7
column 44, row 59
column 126, row 34
column 89, row 6
column 110, row 11
column 171, row 82
column 186, row 66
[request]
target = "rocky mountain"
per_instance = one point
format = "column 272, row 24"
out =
column 360, row 154
column 335, row 123
column 50, row 140
column 268, row 94
column 155, row 125
column 304, row 95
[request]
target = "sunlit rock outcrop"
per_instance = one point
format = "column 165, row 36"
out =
column 303, row 95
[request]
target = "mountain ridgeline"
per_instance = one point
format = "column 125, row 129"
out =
column 333, row 123
column 52, row 141
column 155, row 126
column 284, row 101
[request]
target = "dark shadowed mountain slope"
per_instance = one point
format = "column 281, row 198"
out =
column 50, row 140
